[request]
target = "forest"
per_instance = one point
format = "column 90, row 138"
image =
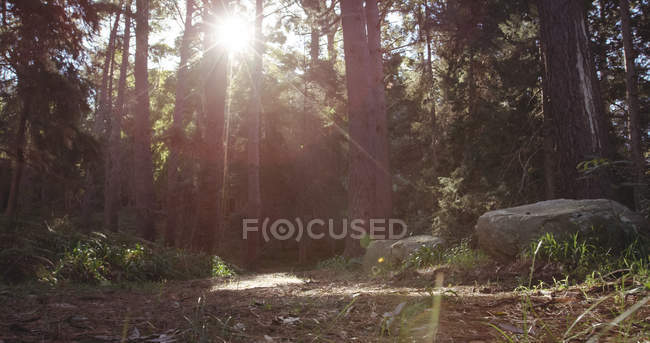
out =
column 324, row 171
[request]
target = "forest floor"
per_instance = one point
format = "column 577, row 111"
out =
column 315, row 306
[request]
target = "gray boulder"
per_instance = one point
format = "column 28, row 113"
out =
column 401, row 249
column 503, row 234
column 375, row 251
column 395, row 251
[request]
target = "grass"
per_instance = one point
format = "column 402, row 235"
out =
column 461, row 256
column 605, row 275
column 339, row 263
column 591, row 265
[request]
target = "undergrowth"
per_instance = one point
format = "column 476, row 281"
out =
column 461, row 256
column 578, row 258
column 339, row 263
column 54, row 252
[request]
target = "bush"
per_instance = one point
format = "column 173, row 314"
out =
column 55, row 253
column 459, row 207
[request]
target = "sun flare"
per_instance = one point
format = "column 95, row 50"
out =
column 234, row 34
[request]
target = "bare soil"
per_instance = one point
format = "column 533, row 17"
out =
column 314, row 306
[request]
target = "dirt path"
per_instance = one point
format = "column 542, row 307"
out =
column 309, row 307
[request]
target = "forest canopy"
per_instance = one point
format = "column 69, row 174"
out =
column 175, row 120
column 324, row 170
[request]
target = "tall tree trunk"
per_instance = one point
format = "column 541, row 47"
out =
column 602, row 64
column 310, row 121
column 212, row 148
column 174, row 203
column 549, row 137
column 427, row 33
column 574, row 108
column 254, row 209
column 143, row 164
column 113, row 183
column 361, row 189
column 19, row 161
column 332, row 53
column 100, row 125
column 633, row 103
column 379, row 133
column 102, row 117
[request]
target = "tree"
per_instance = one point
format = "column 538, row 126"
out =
column 254, row 206
column 379, row 133
column 40, row 51
column 177, row 134
column 143, row 164
column 633, row 103
column 574, row 105
column 113, row 184
column 361, row 189
column 102, row 122
column 212, row 125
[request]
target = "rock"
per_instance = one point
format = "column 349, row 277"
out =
column 390, row 251
column 401, row 249
column 503, row 234
column 377, row 250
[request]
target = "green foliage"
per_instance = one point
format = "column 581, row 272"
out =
column 424, row 257
column 338, row 263
column 461, row 256
column 580, row 257
column 219, row 268
column 459, row 207
column 55, row 253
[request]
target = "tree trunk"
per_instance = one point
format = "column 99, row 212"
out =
column 102, row 116
column 602, row 64
column 100, row 125
column 361, row 189
column 174, row 203
column 254, row 197
column 633, row 103
column 549, row 138
column 574, row 107
column 143, row 164
column 19, row 161
column 379, row 133
column 113, row 181
column 212, row 148
column 427, row 32
column 310, row 125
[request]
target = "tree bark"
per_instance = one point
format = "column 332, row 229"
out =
column 19, row 161
column 633, row 103
column 575, row 107
column 102, row 117
column 211, row 168
column 100, row 125
column 143, row 164
column 112, row 192
column 174, row 203
column 254, row 210
column 549, row 137
column 362, row 174
column 383, row 178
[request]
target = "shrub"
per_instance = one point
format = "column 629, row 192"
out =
column 54, row 252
